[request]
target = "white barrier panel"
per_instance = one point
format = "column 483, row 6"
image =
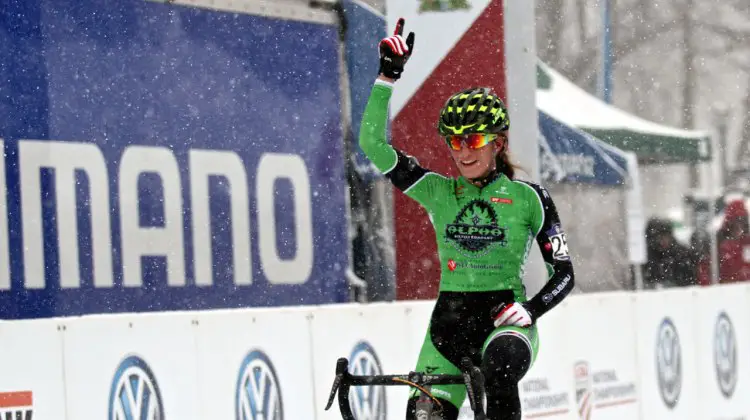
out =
column 31, row 370
column 256, row 365
column 547, row 388
column 418, row 318
column 375, row 339
column 723, row 342
column 131, row 367
column 667, row 356
column 601, row 343
column 675, row 354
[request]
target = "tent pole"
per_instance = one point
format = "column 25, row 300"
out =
column 606, row 58
column 638, row 273
column 636, row 221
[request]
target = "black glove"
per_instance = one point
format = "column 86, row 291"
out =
column 395, row 52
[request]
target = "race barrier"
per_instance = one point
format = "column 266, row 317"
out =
column 675, row 354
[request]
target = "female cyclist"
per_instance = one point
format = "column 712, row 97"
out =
column 485, row 222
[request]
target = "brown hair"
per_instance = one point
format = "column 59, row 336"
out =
column 503, row 163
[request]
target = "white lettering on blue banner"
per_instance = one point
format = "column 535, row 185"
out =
column 271, row 167
column 139, row 241
column 203, row 164
column 4, row 246
column 65, row 159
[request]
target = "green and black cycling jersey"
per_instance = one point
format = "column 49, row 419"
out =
column 484, row 234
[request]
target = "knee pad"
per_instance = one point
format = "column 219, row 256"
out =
column 450, row 411
column 505, row 361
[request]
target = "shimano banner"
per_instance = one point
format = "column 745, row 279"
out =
column 365, row 27
column 166, row 157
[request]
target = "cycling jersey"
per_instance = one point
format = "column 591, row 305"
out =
column 484, row 234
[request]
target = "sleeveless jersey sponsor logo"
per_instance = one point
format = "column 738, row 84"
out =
column 501, row 200
column 367, row 402
column 258, row 394
column 668, row 363
column 135, row 394
column 453, row 265
column 548, row 297
column 476, row 230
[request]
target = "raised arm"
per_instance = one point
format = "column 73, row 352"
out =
column 401, row 169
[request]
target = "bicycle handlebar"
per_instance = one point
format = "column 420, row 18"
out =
column 470, row 376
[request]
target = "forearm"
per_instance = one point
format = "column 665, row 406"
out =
column 553, row 245
column 557, row 287
column 372, row 133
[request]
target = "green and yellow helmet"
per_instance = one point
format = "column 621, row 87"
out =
column 475, row 110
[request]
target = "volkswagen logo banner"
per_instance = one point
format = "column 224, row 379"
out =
column 668, row 363
column 367, row 402
column 258, row 394
column 134, row 394
column 725, row 355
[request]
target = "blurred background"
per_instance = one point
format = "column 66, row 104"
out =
column 683, row 65
column 163, row 155
column 167, row 162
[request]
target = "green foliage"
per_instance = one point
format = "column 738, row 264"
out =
column 443, row 5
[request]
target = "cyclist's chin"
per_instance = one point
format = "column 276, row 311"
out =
column 472, row 169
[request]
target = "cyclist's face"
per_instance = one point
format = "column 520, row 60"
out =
column 476, row 163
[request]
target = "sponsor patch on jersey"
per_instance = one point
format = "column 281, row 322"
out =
column 558, row 243
column 501, row 200
column 454, row 265
column 548, row 297
column 475, row 229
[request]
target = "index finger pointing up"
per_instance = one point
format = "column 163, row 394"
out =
column 399, row 27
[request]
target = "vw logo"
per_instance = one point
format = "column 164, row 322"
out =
column 134, row 394
column 725, row 355
column 367, row 402
column 258, row 395
column 668, row 363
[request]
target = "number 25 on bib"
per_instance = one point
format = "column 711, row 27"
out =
column 559, row 243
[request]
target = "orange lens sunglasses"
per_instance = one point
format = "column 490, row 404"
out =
column 472, row 141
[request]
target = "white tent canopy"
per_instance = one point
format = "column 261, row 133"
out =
column 652, row 142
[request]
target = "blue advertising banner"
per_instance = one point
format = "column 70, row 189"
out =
column 570, row 155
column 365, row 27
column 164, row 157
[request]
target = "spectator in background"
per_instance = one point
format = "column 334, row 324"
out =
column 734, row 247
column 669, row 263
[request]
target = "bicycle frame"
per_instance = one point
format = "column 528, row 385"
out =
column 471, row 377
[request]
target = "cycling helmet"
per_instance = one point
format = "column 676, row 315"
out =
column 475, row 110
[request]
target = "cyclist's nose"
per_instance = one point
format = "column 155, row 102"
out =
column 465, row 151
